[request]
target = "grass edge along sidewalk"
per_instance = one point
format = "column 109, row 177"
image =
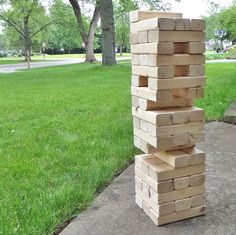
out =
column 65, row 132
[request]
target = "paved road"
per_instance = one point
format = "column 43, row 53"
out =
column 11, row 68
column 114, row 211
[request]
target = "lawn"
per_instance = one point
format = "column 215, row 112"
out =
column 65, row 132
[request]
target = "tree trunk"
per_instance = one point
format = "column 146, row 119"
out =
column 88, row 39
column 27, row 39
column 108, row 32
column 121, row 50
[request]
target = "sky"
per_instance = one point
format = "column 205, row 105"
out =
column 196, row 8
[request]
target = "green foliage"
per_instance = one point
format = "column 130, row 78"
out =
column 160, row 5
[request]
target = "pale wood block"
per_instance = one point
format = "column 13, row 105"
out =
column 180, row 194
column 143, row 60
column 175, row 36
column 196, row 114
column 181, row 139
column 138, row 183
column 133, row 38
column 180, row 117
column 182, row 24
column 182, row 183
column 147, row 148
column 137, row 142
column 177, row 82
column 197, row 137
column 197, row 156
column 139, row 201
column 135, row 102
column 139, row 81
column 196, row 48
column 197, row 70
column 136, row 122
column 198, row 200
column 159, row 170
column 198, row 179
column 134, row 59
column 200, row 92
column 139, row 159
column 146, row 137
column 172, row 130
column 142, row 37
column 152, row 24
column 176, row 216
column 176, row 59
column 198, row 25
column 137, row 15
column 190, row 48
column 176, row 158
column 159, row 187
column 140, row 70
column 190, row 93
column 145, row 189
column 145, row 93
column 145, row 104
column 161, row 48
column 183, row 204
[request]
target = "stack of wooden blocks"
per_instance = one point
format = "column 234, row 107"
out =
column 168, row 69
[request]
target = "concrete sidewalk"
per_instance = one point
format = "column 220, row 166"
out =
column 114, row 211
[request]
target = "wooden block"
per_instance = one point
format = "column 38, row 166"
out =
column 198, row 25
column 137, row 142
column 181, row 70
column 139, row 201
column 184, row 204
column 200, row 92
column 197, row 156
column 138, row 183
column 162, row 131
column 180, row 117
column 176, row 216
column 196, row 70
column 142, row 36
column 196, row 48
column 175, row 36
column 143, row 60
column 159, row 187
column 196, row 114
column 137, row 15
column 159, row 170
column 177, row 82
column 161, row 48
column 198, row 200
column 135, row 102
column 198, row 179
column 197, row 137
column 147, row 148
column 151, row 24
column 182, row 183
column 175, row 158
column 190, row 93
column 139, row 159
column 182, row 24
column 179, row 194
column 144, row 92
column 145, row 189
column 176, row 59
column 135, row 59
column 133, row 38
column 189, row 48
column 145, row 104
column 155, row 72
column 139, row 81
column 136, row 122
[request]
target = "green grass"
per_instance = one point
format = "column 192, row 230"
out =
column 4, row 61
column 65, row 132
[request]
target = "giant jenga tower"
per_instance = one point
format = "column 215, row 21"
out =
column 167, row 75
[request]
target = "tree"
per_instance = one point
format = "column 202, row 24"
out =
column 27, row 18
column 122, row 9
column 160, row 5
column 87, row 35
column 108, row 32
